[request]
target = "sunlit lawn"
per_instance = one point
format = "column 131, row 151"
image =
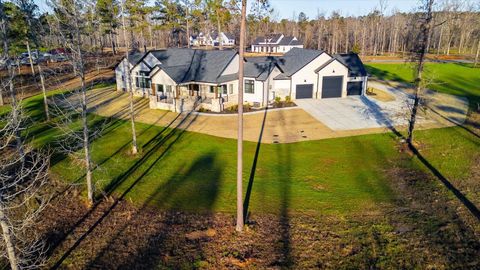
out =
column 449, row 78
column 197, row 172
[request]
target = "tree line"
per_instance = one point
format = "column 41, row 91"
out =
column 167, row 23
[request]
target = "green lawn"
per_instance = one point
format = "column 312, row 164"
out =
column 197, row 172
column 455, row 79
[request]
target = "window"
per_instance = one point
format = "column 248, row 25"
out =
column 168, row 88
column 212, row 89
column 230, row 86
column 249, row 86
column 159, row 89
column 224, row 89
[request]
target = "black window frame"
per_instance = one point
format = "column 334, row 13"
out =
column 249, row 90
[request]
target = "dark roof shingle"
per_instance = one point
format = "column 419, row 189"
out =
column 185, row 65
column 354, row 64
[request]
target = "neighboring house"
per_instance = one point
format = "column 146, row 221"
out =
column 276, row 43
column 212, row 40
column 226, row 39
column 181, row 79
column 201, row 40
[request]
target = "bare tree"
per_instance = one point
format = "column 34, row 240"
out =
column 240, row 221
column 23, row 194
column 419, row 51
column 129, row 80
column 68, row 17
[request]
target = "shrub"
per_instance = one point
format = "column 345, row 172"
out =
column 288, row 99
column 277, row 99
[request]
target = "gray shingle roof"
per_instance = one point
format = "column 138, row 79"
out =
column 259, row 71
column 229, row 36
column 291, row 62
column 290, row 40
column 273, row 38
column 133, row 58
column 186, row 65
column 354, row 64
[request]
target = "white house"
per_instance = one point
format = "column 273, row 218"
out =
column 180, row 79
column 275, row 43
column 212, row 40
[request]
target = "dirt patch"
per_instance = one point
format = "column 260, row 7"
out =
column 416, row 231
column 379, row 94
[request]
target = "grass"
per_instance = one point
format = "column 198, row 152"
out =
column 336, row 194
column 196, row 172
column 449, row 78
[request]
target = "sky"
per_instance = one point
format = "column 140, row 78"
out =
column 287, row 8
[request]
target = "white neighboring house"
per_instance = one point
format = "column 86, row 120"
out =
column 180, row 79
column 201, row 39
column 276, row 43
column 226, row 39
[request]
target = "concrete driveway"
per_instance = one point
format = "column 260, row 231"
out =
column 363, row 112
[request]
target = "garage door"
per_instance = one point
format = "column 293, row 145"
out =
column 332, row 86
column 354, row 88
column 304, row 91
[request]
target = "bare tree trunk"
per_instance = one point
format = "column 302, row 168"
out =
column 30, row 58
column 86, row 140
column 421, row 59
column 114, row 47
column 128, row 78
column 240, row 218
column 219, row 30
column 476, row 55
column 80, row 65
column 44, row 92
column 188, row 29
column 7, row 236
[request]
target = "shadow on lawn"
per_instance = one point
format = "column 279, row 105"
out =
column 284, row 155
column 384, row 120
column 197, row 187
column 248, row 193
column 155, row 152
column 419, row 214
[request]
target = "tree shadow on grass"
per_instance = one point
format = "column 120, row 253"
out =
column 384, row 75
column 167, row 142
column 195, row 188
column 384, row 120
column 284, row 154
column 418, row 216
column 246, row 201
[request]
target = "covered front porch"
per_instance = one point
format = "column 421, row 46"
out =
column 191, row 96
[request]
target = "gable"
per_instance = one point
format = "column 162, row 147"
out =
column 151, row 60
column 332, row 66
column 232, row 67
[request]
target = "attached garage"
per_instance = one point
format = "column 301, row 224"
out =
column 354, row 88
column 332, row 86
column 304, row 91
